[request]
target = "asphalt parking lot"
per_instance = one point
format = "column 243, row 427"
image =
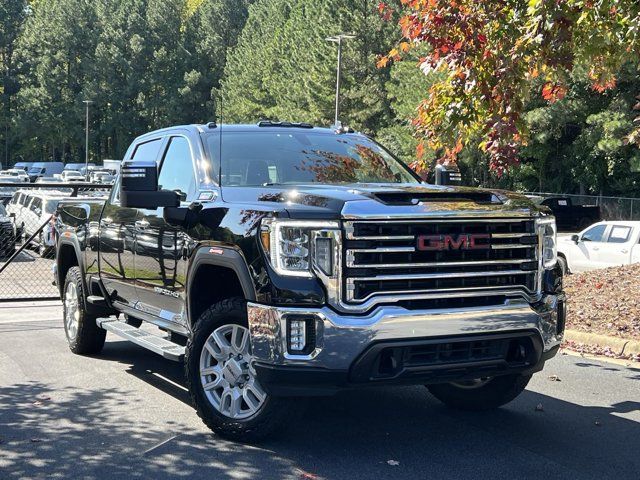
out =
column 127, row 413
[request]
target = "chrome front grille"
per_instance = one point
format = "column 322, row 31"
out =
column 439, row 258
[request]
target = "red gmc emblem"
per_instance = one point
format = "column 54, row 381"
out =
column 464, row 241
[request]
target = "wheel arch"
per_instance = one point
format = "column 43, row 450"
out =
column 67, row 256
column 566, row 261
column 216, row 273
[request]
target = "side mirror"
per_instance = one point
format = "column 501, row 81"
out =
column 575, row 238
column 12, row 215
column 139, row 187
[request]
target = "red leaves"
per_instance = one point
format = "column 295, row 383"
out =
column 385, row 11
column 553, row 92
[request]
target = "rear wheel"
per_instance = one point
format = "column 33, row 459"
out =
column 482, row 393
column 83, row 335
column 221, row 378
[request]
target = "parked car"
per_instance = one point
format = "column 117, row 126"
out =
column 78, row 166
column 71, row 176
column 7, row 234
column 570, row 216
column 44, row 169
column 16, row 172
column 104, row 178
column 605, row 244
column 302, row 271
column 32, row 209
column 23, row 166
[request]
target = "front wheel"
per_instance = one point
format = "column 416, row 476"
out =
column 482, row 393
column 83, row 335
column 221, row 378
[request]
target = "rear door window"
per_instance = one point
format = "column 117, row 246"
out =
column 619, row 234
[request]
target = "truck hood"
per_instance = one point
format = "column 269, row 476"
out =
column 374, row 200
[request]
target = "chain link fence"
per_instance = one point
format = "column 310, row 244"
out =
column 28, row 235
column 611, row 208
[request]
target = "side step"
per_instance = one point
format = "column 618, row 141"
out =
column 97, row 300
column 161, row 346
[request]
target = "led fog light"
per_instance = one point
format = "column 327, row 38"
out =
column 301, row 336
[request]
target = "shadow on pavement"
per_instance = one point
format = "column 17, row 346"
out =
column 352, row 435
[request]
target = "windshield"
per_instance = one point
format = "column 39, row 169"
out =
column 36, row 170
column 3, row 211
column 259, row 158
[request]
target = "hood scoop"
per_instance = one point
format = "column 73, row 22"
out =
column 414, row 198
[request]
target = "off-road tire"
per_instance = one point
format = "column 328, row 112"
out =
column 89, row 338
column 272, row 414
column 496, row 392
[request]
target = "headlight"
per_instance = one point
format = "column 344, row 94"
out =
column 300, row 248
column 548, row 236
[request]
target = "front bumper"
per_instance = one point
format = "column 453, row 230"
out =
column 344, row 342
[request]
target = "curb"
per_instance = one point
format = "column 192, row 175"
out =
column 617, row 344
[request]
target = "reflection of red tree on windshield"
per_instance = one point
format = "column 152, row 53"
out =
column 331, row 167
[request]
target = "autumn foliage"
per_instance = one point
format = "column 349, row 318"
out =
column 486, row 54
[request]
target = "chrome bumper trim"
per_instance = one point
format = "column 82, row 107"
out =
column 342, row 338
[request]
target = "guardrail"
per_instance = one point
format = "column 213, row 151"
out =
column 27, row 235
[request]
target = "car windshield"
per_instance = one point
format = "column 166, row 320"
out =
column 3, row 211
column 293, row 157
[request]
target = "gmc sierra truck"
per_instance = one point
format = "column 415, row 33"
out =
column 282, row 260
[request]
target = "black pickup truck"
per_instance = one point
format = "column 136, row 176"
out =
column 282, row 260
column 570, row 216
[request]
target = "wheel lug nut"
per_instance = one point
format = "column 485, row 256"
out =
column 239, row 357
column 247, row 377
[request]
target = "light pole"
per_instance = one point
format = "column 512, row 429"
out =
column 86, row 139
column 338, row 39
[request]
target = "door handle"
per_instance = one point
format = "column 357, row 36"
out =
column 141, row 224
column 624, row 250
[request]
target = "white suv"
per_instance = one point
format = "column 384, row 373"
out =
column 32, row 209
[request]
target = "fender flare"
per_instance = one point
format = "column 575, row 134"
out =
column 72, row 241
column 225, row 257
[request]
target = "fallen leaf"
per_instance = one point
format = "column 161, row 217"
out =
column 539, row 408
column 597, row 423
column 554, row 378
column 393, row 463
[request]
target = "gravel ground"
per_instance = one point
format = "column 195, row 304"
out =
column 605, row 301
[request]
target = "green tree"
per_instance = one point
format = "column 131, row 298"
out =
column 283, row 67
column 56, row 56
column 12, row 17
column 488, row 53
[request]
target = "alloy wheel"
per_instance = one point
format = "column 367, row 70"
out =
column 227, row 374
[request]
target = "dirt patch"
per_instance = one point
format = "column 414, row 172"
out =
column 605, row 302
